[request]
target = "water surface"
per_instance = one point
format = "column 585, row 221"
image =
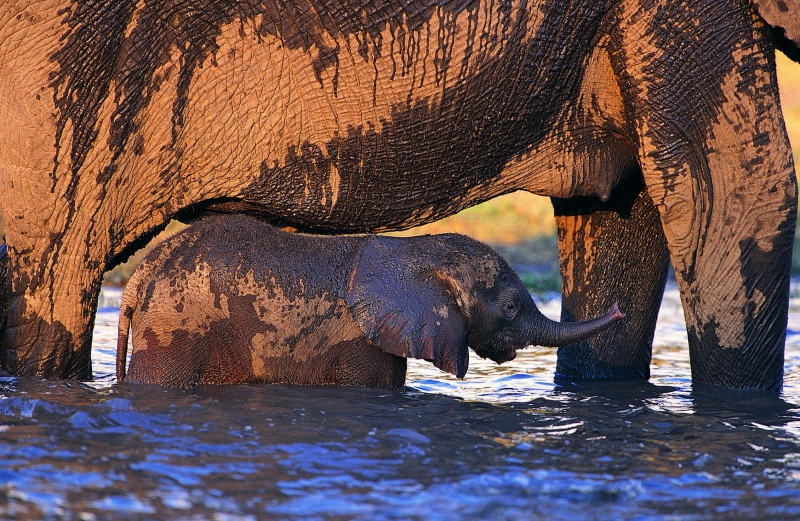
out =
column 504, row 443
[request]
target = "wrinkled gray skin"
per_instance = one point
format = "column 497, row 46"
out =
column 232, row 299
column 654, row 125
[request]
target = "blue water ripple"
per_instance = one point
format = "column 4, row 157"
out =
column 190, row 475
column 408, row 434
column 128, row 504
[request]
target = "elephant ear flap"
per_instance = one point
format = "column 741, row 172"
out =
column 406, row 311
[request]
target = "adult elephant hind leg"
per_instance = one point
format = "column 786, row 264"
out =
column 611, row 252
column 718, row 166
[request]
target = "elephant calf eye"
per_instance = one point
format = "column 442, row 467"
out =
column 509, row 308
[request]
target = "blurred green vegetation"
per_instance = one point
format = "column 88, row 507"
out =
column 535, row 260
column 506, row 220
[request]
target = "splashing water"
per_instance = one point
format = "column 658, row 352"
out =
column 504, row 443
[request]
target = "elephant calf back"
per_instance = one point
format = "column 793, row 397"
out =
column 231, row 300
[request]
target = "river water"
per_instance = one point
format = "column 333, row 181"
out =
column 504, row 443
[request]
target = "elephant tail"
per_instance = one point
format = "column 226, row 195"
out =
column 130, row 298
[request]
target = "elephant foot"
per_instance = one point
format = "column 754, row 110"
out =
column 38, row 337
column 34, row 346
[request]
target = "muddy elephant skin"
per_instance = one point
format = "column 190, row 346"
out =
column 654, row 125
column 234, row 300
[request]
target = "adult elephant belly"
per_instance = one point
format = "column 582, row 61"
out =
column 379, row 128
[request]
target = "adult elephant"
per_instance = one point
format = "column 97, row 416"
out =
column 635, row 116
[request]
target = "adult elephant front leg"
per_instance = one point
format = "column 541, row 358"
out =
column 611, row 252
column 718, row 165
column 57, row 230
column 48, row 267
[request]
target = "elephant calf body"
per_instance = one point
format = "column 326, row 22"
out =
column 232, row 299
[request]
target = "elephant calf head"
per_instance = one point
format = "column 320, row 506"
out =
column 234, row 300
column 430, row 297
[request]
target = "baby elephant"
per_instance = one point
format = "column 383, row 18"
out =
column 231, row 299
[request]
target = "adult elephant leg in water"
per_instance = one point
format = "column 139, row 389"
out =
column 612, row 251
column 718, row 167
column 727, row 198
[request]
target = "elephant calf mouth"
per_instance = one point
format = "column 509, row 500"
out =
column 498, row 354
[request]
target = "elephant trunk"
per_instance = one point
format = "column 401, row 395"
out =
column 555, row 334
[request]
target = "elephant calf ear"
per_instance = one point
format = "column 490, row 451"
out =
column 406, row 311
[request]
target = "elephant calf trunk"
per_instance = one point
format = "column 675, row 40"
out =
column 556, row 334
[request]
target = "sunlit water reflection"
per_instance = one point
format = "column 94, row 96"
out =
column 504, row 443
